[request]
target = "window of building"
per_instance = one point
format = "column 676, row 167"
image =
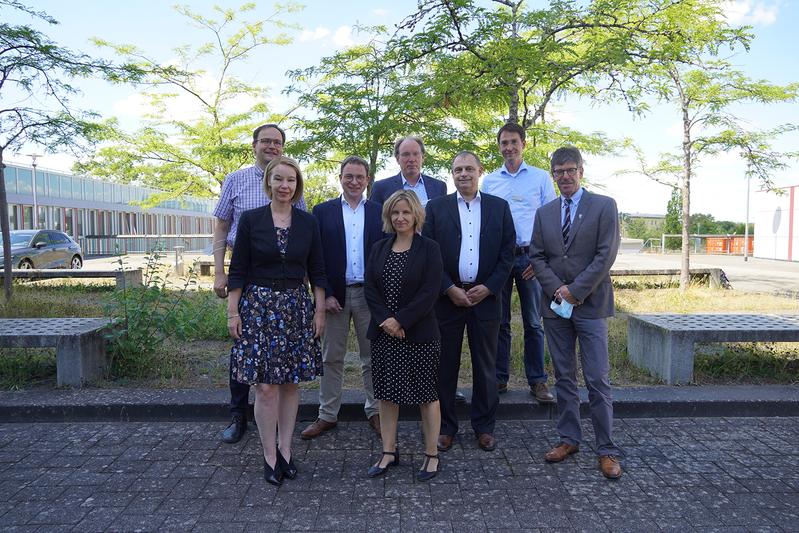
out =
column 24, row 181
column 41, row 183
column 69, row 222
column 66, row 186
column 77, row 188
column 57, row 220
column 13, row 219
column 27, row 217
column 10, row 175
column 41, row 220
column 54, row 182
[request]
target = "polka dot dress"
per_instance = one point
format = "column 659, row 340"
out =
column 403, row 372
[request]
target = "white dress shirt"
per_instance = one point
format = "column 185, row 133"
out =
column 469, row 259
column 353, row 239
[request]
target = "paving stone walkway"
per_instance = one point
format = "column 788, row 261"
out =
column 703, row 474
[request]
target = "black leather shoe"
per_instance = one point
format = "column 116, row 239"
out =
column 460, row 399
column 423, row 474
column 273, row 475
column 376, row 470
column 289, row 469
column 236, row 430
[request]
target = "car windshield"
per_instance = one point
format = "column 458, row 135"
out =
column 21, row 238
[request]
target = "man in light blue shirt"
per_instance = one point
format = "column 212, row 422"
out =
column 525, row 188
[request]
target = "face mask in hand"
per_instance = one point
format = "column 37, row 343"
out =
column 562, row 309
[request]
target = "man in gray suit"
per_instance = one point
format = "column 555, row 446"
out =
column 575, row 240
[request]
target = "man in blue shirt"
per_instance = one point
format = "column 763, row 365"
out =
column 409, row 152
column 525, row 188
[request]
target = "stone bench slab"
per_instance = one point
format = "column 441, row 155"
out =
column 79, row 343
column 712, row 274
column 663, row 344
column 124, row 278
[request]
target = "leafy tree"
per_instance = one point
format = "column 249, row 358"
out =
column 36, row 76
column 686, row 72
column 353, row 105
column 514, row 63
column 191, row 156
column 673, row 222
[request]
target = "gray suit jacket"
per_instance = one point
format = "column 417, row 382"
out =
column 584, row 262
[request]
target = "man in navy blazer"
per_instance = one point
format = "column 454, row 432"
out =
column 349, row 225
column 476, row 235
column 575, row 241
column 409, row 152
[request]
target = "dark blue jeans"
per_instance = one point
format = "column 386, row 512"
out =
column 530, row 300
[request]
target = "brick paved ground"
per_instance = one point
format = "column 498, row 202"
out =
column 706, row 474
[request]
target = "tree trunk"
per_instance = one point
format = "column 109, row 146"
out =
column 685, row 189
column 5, row 230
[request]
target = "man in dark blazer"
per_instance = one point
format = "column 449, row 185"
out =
column 409, row 152
column 349, row 225
column 475, row 233
column 575, row 241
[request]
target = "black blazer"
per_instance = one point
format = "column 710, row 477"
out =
column 420, row 285
column 497, row 241
column 384, row 188
column 331, row 226
column 256, row 257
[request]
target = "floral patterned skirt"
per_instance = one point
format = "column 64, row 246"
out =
column 277, row 345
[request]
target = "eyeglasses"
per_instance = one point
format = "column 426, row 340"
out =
column 353, row 177
column 571, row 172
column 270, row 142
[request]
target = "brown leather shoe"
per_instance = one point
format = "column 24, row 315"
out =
column 316, row 429
column 541, row 393
column 610, row 467
column 374, row 423
column 445, row 442
column 560, row 452
column 487, row 442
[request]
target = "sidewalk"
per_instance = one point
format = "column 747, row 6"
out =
column 689, row 474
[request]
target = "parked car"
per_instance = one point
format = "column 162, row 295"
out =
column 44, row 249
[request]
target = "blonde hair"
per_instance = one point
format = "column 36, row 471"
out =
column 413, row 203
column 289, row 162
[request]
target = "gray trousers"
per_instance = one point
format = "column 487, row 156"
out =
column 334, row 348
column 592, row 333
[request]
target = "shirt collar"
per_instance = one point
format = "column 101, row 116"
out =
column 460, row 198
column 345, row 202
column 575, row 198
column 405, row 181
column 523, row 167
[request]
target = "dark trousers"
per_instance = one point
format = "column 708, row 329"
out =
column 483, row 347
column 239, row 395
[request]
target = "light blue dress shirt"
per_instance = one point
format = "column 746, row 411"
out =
column 573, row 210
column 525, row 191
column 353, row 239
column 419, row 189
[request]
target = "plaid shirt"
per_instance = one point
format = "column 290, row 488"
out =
column 243, row 190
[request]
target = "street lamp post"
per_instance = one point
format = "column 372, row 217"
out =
column 35, row 203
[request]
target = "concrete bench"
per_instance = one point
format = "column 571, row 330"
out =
column 124, row 278
column 664, row 343
column 206, row 266
column 713, row 275
column 79, row 343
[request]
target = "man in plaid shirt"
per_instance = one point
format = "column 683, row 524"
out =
column 242, row 190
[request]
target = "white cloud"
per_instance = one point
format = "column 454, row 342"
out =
column 320, row 32
column 343, row 36
column 749, row 12
column 380, row 12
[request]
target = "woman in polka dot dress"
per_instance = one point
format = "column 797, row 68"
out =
column 403, row 279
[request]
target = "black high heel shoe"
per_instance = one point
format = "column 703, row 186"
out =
column 376, row 470
column 423, row 474
column 289, row 469
column 273, row 475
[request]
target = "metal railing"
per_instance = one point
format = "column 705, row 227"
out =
column 127, row 244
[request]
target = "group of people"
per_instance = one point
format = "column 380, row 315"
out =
column 411, row 268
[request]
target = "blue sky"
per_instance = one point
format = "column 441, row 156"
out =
column 719, row 187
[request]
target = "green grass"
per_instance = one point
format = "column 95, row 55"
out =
column 201, row 358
